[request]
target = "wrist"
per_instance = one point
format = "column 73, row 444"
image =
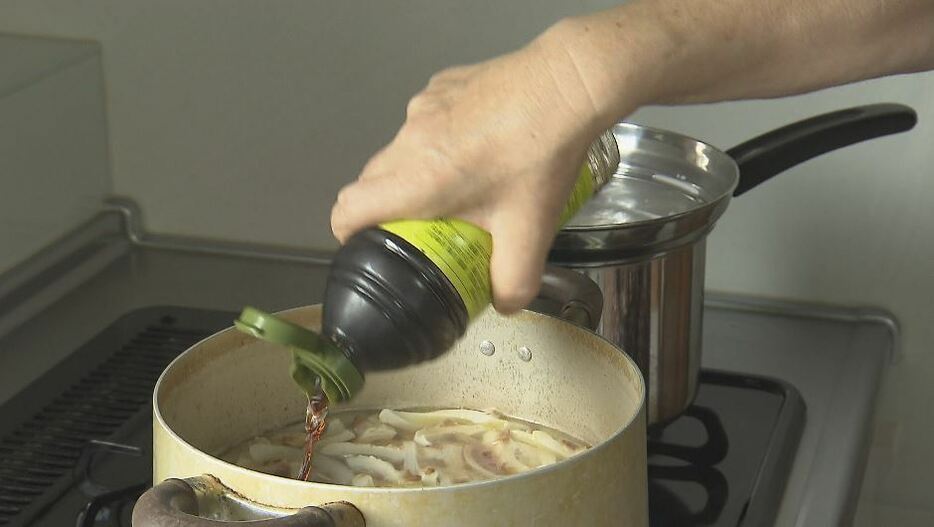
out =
column 618, row 62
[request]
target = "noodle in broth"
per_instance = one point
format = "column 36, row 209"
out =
column 389, row 448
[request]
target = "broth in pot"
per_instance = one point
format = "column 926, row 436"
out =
column 419, row 448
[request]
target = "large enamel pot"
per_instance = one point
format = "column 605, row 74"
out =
column 231, row 387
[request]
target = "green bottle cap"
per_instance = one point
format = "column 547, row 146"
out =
column 313, row 357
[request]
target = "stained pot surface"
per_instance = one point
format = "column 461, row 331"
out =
column 231, row 387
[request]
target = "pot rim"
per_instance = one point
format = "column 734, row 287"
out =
column 280, row 480
column 670, row 137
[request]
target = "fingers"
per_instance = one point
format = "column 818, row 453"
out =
column 407, row 179
column 394, row 184
column 484, row 144
column 521, row 239
column 373, row 200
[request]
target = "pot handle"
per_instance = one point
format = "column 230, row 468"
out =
column 769, row 154
column 186, row 503
column 571, row 296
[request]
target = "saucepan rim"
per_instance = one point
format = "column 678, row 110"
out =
column 674, row 139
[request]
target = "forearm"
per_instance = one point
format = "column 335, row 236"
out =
column 691, row 51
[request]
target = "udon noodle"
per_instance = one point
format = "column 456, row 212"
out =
column 390, row 448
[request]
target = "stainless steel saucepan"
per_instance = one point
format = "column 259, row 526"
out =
column 642, row 239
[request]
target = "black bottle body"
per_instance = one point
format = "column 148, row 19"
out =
column 403, row 293
column 387, row 305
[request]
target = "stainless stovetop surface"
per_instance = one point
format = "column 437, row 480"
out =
column 834, row 356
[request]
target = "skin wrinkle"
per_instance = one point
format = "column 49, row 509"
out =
column 739, row 56
column 578, row 78
column 581, row 52
column 790, row 30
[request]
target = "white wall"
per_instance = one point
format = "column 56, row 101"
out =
column 242, row 119
column 53, row 142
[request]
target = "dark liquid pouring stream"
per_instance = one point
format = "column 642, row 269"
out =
column 315, row 424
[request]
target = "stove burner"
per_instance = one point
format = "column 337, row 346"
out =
column 711, row 452
column 725, row 461
column 696, row 467
column 110, row 502
column 674, row 511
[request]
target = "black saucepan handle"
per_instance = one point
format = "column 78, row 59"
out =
column 769, row 154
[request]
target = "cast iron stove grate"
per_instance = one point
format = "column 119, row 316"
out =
column 95, row 394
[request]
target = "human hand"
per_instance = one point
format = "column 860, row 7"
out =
column 498, row 144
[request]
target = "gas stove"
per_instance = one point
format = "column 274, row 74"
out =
column 75, row 442
column 778, row 433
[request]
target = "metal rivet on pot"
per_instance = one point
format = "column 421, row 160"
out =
column 487, row 348
column 525, row 354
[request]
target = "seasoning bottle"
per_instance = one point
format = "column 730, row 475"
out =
column 403, row 292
